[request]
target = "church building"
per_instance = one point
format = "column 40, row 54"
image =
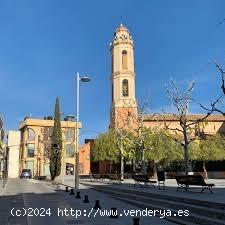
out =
column 124, row 111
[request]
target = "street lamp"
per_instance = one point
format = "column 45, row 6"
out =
column 83, row 79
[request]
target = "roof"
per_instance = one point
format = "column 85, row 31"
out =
column 46, row 123
column 191, row 117
column 122, row 28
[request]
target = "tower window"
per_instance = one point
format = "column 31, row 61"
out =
column 125, row 88
column 124, row 59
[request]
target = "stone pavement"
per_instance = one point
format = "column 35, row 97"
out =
column 37, row 194
column 171, row 186
column 204, row 208
column 91, row 216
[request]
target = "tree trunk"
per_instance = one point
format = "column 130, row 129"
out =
column 205, row 171
column 154, row 170
column 110, row 166
column 186, row 156
column 143, row 167
column 122, row 167
column 186, row 161
column 133, row 165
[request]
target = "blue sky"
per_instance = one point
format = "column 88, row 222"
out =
column 44, row 43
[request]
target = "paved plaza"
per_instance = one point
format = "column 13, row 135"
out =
column 218, row 195
column 204, row 208
column 43, row 196
column 56, row 205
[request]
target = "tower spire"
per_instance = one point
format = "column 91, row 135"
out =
column 121, row 21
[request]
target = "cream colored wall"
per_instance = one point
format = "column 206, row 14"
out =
column 37, row 125
column 119, row 73
column 46, row 123
column 13, row 153
column 119, row 102
column 210, row 128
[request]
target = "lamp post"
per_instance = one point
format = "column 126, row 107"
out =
column 83, row 79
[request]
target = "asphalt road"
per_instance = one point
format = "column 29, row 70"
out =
column 43, row 204
column 37, row 201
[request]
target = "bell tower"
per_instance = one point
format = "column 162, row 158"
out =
column 123, row 101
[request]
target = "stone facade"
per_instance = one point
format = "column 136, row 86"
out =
column 35, row 147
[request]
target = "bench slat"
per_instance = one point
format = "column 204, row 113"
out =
column 196, row 180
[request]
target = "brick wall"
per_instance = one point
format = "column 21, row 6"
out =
column 84, row 159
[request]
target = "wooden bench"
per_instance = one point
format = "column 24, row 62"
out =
column 140, row 178
column 185, row 181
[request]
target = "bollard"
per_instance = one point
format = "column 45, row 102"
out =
column 97, row 205
column 78, row 194
column 136, row 221
column 71, row 191
column 86, row 199
column 67, row 189
column 113, row 213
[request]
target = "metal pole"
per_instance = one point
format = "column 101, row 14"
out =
column 63, row 156
column 77, row 137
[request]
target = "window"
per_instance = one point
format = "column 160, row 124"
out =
column 125, row 88
column 70, row 150
column 47, row 133
column 31, row 134
column 124, row 59
column 30, row 150
column 70, row 134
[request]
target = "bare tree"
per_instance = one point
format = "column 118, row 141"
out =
column 216, row 104
column 222, row 72
column 122, row 120
column 189, row 126
column 131, row 118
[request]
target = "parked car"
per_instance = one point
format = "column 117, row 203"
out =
column 26, row 173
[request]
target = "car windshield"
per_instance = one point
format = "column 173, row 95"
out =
column 27, row 170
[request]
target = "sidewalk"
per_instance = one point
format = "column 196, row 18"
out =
column 203, row 208
column 218, row 196
column 38, row 194
column 2, row 189
column 98, row 217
